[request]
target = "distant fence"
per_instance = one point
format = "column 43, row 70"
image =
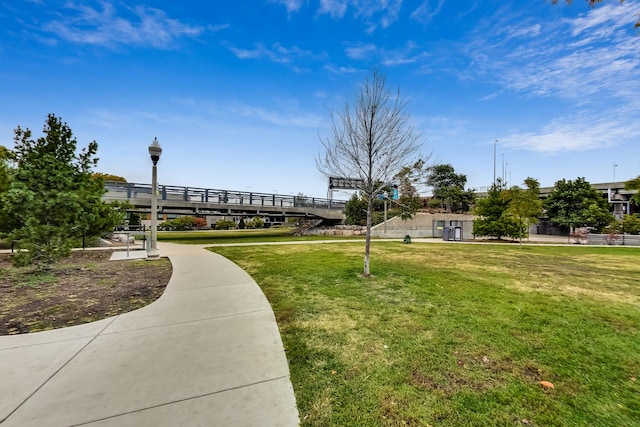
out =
column 613, row 239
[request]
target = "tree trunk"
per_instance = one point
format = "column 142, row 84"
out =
column 367, row 245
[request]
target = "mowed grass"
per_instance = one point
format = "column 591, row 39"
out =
column 264, row 235
column 455, row 334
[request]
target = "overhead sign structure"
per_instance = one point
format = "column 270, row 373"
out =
column 339, row 183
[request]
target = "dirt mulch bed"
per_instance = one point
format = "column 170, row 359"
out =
column 82, row 288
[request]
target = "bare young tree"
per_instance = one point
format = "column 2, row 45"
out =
column 370, row 142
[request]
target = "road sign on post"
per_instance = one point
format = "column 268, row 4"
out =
column 394, row 193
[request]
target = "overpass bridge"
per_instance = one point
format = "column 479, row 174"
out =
column 174, row 201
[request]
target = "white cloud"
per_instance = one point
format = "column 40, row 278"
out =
column 593, row 54
column 361, row 50
column 290, row 5
column 339, row 70
column 374, row 14
column 108, row 26
column 425, row 12
column 276, row 53
column 605, row 19
column 280, row 118
column 334, row 8
column 591, row 62
column 525, row 32
column 583, row 131
column 408, row 54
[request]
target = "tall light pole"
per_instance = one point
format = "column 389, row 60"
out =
column 506, row 174
column 495, row 143
column 154, row 151
column 614, row 172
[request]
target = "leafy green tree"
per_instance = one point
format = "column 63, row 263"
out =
column 409, row 201
column 355, row 211
column 53, row 199
column 109, row 177
column 525, row 207
column 574, row 204
column 634, row 184
column 494, row 219
column 5, row 169
column 6, row 174
column 448, row 187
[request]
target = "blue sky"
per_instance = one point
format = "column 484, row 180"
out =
column 238, row 93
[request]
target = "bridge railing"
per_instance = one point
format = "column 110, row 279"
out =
column 132, row 190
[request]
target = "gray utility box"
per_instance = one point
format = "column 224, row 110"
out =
column 451, row 233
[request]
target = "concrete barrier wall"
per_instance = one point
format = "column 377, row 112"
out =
column 421, row 225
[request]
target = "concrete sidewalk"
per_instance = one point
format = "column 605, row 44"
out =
column 207, row 353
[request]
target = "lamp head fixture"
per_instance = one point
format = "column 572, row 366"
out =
column 155, row 151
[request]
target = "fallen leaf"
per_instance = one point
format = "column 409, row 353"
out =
column 633, row 379
column 334, row 372
column 547, row 384
column 485, row 359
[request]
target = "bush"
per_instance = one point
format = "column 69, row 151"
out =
column 629, row 225
column 225, row 224
column 256, row 222
column 200, row 223
column 184, row 223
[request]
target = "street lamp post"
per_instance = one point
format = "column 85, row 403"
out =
column 154, row 151
column 386, row 195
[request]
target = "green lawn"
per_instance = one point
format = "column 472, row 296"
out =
column 456, row 334
column 264, row 235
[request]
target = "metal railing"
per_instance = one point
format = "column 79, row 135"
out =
column 132, row 190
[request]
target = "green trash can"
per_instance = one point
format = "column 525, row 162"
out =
column 407, row 239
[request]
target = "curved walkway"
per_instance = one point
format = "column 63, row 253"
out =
column 208, row 352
